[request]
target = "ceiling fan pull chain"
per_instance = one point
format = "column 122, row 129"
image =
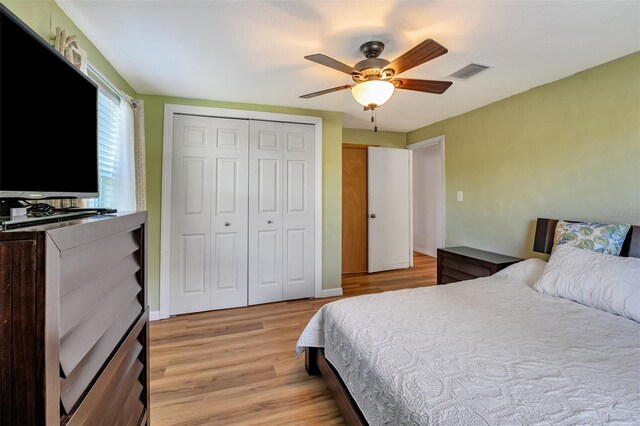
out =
column 375, row 120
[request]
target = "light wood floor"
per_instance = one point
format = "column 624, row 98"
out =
column 238, row 366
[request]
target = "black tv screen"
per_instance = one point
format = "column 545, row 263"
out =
column 48, row 119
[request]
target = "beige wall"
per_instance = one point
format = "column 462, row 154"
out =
column 569, row 149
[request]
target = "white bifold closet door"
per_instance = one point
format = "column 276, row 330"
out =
column 242, row 214
column 281, row 211
column 209, row 214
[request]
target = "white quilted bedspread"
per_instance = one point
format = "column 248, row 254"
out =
column 484, row 352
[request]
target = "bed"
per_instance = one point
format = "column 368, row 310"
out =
column 487, row 351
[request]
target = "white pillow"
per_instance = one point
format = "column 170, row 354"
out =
column 528, row 271
column 602, row 281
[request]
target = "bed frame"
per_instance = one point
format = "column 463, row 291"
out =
column 545, row 229
column 316, row 364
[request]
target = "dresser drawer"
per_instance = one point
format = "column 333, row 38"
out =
column 117, row 397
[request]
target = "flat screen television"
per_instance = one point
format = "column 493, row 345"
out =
column 48, row 119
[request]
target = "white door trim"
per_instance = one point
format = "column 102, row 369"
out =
column 167, row 151
column 438, row 140
column 410, row 208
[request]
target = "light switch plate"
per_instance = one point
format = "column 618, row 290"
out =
column 459, row 196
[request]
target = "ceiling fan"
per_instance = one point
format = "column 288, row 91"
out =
column 376, row 79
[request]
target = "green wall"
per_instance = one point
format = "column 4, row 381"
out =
column 44, row 16
column 369, row 137
column 569, row 149
column 331, row 182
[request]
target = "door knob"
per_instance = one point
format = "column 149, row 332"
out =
column 269, row 221
column 372, row 215
column 227, row 223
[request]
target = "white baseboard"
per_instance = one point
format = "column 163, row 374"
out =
column 426, row 252
column 331, row 292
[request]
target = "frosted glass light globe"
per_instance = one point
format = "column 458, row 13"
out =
column 372, row 93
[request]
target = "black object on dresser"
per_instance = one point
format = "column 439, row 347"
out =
column 74, row 323
column 467, row 263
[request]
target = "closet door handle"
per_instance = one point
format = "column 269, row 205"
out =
column 269, row 221
column 227, row 223
column 372, row 215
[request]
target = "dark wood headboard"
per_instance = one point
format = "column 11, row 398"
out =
column 545, row 229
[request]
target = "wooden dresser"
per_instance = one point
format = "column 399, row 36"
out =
column 466, row 263
column 74, row 323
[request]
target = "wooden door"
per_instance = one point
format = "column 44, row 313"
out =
column 390, row 209
column 354, row 209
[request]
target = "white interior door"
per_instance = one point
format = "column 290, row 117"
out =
column 299, row 217
column 209, row 214
column 389, row 203
column 265, row 212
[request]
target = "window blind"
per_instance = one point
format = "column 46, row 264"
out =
column 108, row 148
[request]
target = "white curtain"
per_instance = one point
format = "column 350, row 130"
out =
column 139, row 151
column 124, row 187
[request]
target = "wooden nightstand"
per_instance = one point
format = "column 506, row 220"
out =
column 466, row 263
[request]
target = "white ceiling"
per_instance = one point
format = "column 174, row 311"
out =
column 252, row 51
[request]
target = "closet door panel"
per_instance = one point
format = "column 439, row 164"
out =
column 190, row 214
column 230, row 214
column 299, row 213
column 209, row 214
column 265, row 212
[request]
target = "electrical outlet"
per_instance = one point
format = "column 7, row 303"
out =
column 459, row 196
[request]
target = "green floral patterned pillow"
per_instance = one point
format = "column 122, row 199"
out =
column 598, row 237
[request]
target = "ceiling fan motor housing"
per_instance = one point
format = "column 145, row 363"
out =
column 372, row 49
column 370, row 68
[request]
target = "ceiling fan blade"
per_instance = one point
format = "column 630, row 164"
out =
column 429, row 86
column 332, row 63
column 425, row 51
column 324, row 92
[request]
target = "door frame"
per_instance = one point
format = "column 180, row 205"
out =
column 170, row 110
column 437, row 140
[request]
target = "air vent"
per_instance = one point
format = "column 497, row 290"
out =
column 469, row 71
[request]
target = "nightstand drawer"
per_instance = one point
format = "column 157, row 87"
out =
column 444, row 279
column 466, row 263
column 470, row 269
column 455, row 274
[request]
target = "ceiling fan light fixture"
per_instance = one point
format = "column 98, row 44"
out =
column 372, row 93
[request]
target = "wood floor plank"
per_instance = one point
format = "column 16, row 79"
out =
column 238, row 366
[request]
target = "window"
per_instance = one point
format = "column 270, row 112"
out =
column 108, row 149
column 116, row 166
